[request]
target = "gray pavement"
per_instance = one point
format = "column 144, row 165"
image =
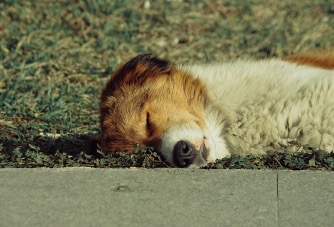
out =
column 165, row 197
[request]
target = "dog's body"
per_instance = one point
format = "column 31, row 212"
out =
column 195, row 114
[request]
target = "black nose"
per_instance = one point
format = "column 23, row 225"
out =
column 183, row 154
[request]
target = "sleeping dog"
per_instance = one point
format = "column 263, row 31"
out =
column 195, row 114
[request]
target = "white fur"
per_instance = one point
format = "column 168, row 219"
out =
column 218, row 149
column 254, row 105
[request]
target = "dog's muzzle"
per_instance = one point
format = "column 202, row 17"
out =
column 185, row 154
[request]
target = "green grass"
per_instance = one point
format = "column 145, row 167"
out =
column 56, row 55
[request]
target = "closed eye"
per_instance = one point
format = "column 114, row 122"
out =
column 149, row 125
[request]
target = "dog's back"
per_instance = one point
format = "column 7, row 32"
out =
column 272, row 100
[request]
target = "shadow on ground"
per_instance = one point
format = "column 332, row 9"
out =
column 70, row 150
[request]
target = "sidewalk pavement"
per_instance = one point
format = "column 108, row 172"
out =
column 165, row 197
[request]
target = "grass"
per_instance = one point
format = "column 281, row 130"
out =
column 55, row 56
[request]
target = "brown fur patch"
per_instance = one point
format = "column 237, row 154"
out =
column 322, row 59
column 144, row 98
column 136, row 71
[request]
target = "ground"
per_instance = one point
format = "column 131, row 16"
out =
column 55, row 57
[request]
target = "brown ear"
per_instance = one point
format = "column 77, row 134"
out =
column 136, row 71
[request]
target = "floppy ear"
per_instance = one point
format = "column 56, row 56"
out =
column 136, row 71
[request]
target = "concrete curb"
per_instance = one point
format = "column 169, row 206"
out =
column 165, row 197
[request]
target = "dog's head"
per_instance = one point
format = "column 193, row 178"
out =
column 150, row 102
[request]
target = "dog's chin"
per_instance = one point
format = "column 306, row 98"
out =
column 200, row 160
